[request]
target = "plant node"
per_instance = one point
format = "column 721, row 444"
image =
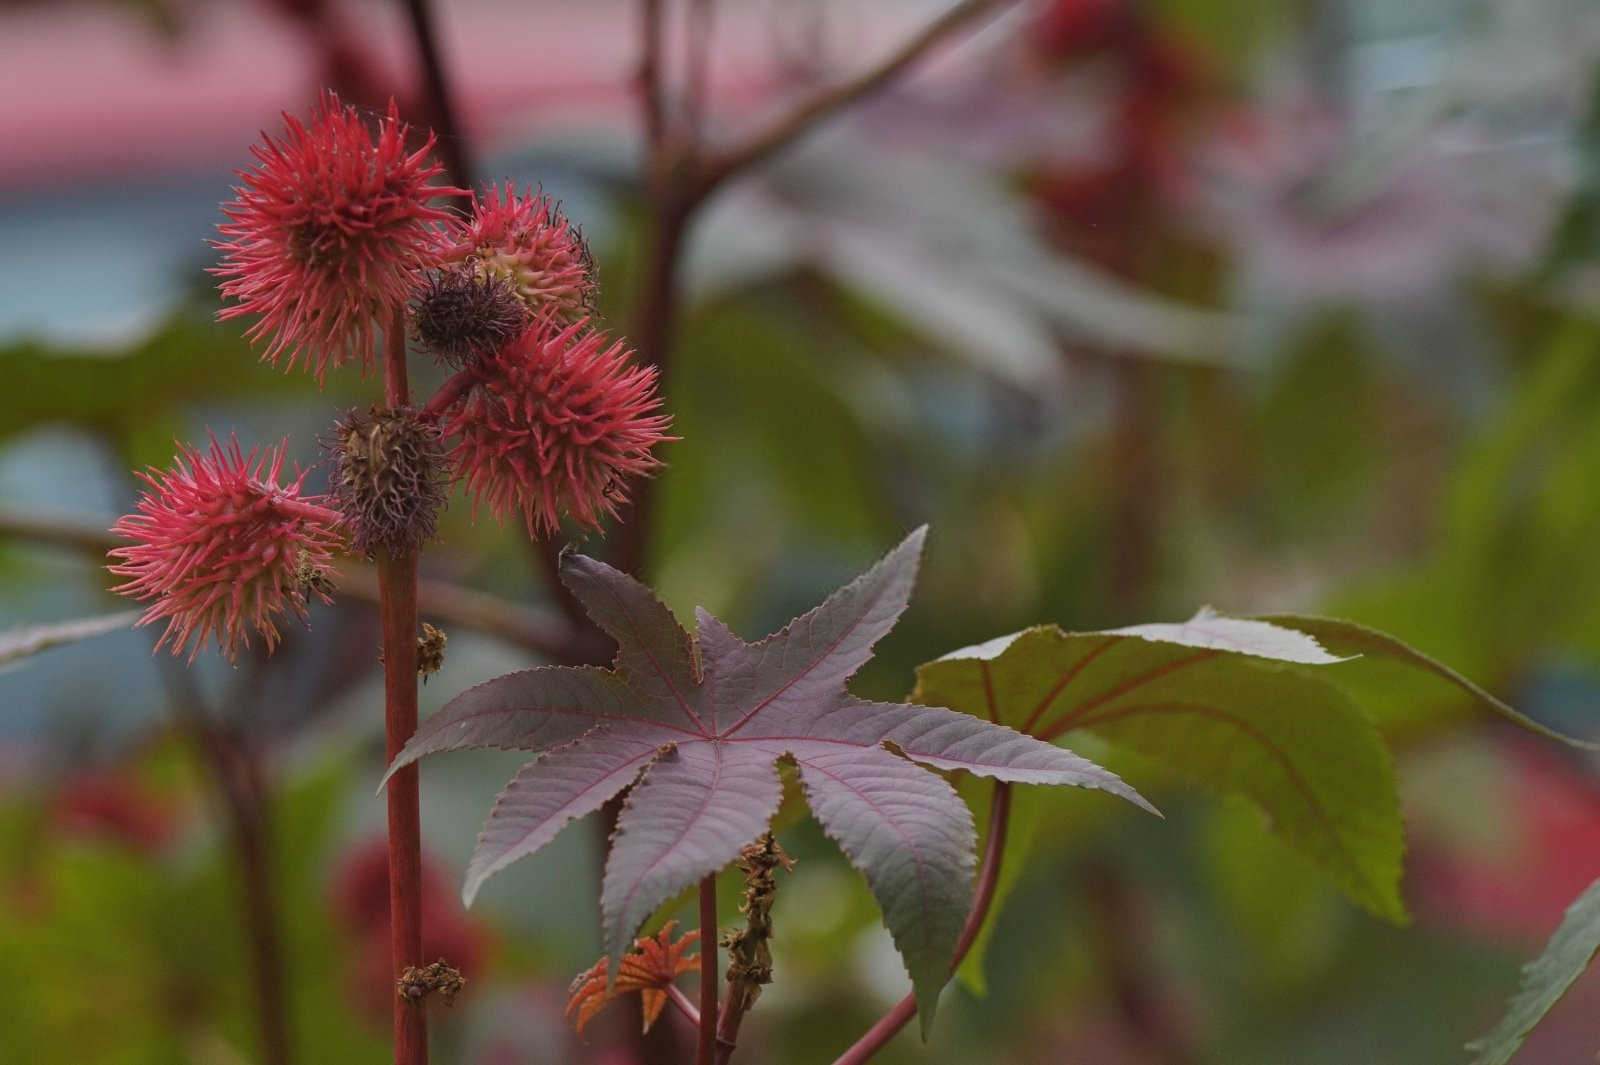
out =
column 420, row 981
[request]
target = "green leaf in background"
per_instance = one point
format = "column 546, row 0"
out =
column 1516, row 528
column 1352, row 639
column 143, row 393
column 1546, row 979
column 1290, row 921
column 1214, row 701
column 1576, row 237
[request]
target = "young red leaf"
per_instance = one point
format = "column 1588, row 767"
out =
column 701, row 724
column 650, row 968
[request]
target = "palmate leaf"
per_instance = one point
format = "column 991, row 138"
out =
column 698, row 724
column 1544, row 980
column 1251, row 706
column 1225, row 702
column 1351, row 639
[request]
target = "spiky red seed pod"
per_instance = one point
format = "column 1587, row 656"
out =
column 528, row 241
column 221, row 546
column 556, row 424
column 326, row 234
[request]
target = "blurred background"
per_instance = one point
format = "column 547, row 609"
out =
column 1143, row 305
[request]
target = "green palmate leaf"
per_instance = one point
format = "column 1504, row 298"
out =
column 697, row 726
column 1220, row 701
column 1546, row 979
column 1352, row 639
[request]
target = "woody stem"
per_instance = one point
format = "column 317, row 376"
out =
column 706, row 1044
column 397, row 605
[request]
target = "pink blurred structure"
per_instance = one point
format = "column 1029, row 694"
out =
column 94, row 88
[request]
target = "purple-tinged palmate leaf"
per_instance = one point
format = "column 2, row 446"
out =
column 698, row 725
column 547, row 794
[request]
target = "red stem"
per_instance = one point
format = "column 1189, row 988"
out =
column 706, row 1045
column 396, row 386
column 988, row 877
column 452, row 390
column 309, row 511
column 397, row 605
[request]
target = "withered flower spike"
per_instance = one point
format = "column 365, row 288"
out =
column 430, row 651
column 390, row 477
column 749, row 948
column 420, row 981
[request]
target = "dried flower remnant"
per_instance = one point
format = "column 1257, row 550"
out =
column 430, row 651
column 461, row 315
column 389, row 478
column 420, row 981
column 326, row 235
column 556, row 425
column 359, row 900
column 221, row 547
column 529, row 242
column 749, row 949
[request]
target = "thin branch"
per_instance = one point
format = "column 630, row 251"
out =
column 830, row 102
column 652, row 92
column 91, row 536
column 706, row 1044
column 436, row 89
column 654, row 321
column 988, row 877
column 538, row 630
column 677, row 185
column 236, row 779
column 698, row 65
